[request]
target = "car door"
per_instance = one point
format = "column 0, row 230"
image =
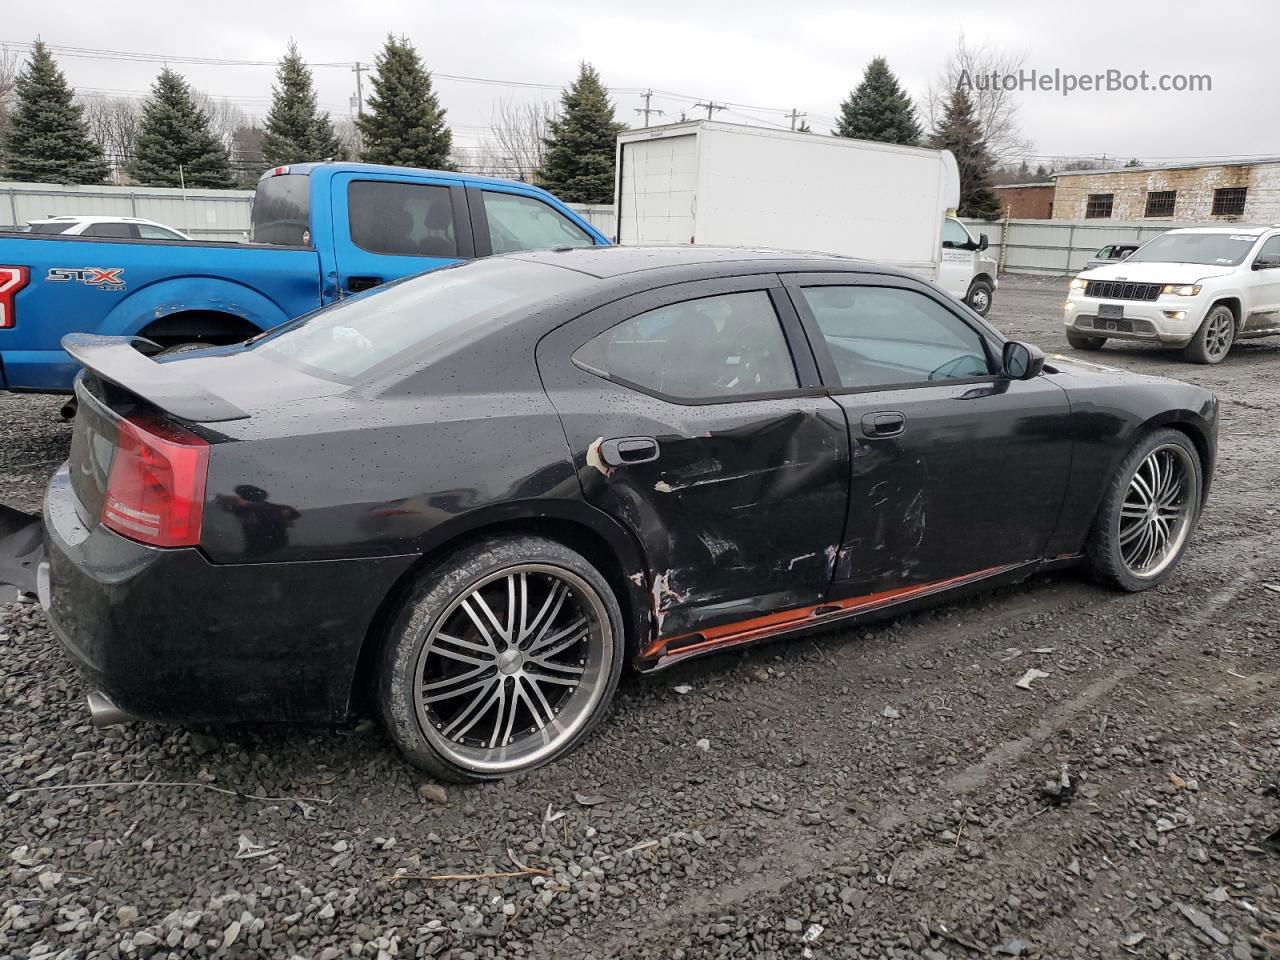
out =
column 1264, row 292
column 387, row 227
column 695, row 419
column 955, row 268
column 955, row 472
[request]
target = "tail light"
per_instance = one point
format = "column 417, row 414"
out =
column 155, row 490
column 12, row 279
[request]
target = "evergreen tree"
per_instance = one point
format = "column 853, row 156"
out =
column 47, row 139
column 175, row 145
column 404, row 124
column 296, row 130
column 879, row 109
column 581, row 143
column 960, row 133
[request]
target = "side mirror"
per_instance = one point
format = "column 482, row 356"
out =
column 983, row 242
column 1021, row 361
column 1126, row 255
column 1266, row 263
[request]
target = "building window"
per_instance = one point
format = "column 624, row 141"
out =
column 1229, row 201
column 1160, row 203
column 1099, row 206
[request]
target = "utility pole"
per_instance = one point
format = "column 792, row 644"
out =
column 358, row 69
column 646, row 109
column 710, row 106
column 795, row 116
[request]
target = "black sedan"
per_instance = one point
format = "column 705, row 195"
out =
column 475, row 495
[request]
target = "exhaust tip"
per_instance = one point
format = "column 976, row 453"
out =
column 104, row 713
column 68, row 410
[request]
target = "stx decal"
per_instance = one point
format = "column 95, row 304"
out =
column 104, row 278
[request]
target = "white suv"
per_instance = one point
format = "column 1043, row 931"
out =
column 1200, row 289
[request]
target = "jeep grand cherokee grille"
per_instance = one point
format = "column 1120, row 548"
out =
column 1120, row 290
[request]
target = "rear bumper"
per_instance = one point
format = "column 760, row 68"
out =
column 166, row 635
column 37, row 371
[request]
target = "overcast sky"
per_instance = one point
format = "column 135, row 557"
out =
column 804, row 54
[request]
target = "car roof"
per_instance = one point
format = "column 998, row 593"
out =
column 617, row 261
column 1239, row 231
column 70, row 218
column 306, row 169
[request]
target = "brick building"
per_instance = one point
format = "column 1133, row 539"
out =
column 1025, row 201
column 1184, row 192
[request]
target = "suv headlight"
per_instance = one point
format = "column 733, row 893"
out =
column 1078, row 283
column 1180, row 290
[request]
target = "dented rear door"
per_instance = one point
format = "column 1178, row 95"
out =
column 739, row 500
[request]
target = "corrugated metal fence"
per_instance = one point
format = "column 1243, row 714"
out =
column 1059, row 247
column 203, row 214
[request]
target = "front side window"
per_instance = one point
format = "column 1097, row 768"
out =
column 882, row 336
column 1271, row 248
column 150, row 231
column 525, row 223
column 401, row 219
column 954, row 235
column 714, row 348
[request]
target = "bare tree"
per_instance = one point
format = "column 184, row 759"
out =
column 978, row 69
column 225, row 118
column 10, row 66
column 517, row 134
column 113, row 123
column 349, row 136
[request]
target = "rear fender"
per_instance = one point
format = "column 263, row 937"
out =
column 187, row 294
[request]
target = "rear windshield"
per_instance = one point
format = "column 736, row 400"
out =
column 416, row 314
column 50, row 227
column 1215, row 249
column 282, row 211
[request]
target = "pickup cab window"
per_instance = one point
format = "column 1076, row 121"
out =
column 402, row 219
column 526, row 223
column 282, row 211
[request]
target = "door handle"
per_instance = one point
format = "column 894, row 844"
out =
column 884, row 423
column 356, row 284
column 625, row 451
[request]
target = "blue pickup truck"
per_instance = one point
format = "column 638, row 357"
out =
column 320, row 232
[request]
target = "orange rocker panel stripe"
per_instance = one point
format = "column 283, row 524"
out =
column 743, row 631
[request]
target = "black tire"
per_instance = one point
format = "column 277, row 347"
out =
column 979, row 297
column 420, row 654
column 1081, row 341
column 1213, row 341
column 1111, row 541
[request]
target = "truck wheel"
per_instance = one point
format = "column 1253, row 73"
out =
column 1147, row 513
column 504, row 657
column 1213, row 340
column 1081, row 341
column 979, row 297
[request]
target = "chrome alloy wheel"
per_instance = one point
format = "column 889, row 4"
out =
column 1219, row 334
column 1158, row 510
column 514, row 668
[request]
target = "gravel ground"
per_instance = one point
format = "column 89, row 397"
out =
column 881, row 792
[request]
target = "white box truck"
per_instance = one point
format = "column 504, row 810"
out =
column 728, row 184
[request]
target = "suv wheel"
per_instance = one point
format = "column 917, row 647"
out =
column 1082, row 341
column 1148, row 512
column 504, row 657
column 1212, row 342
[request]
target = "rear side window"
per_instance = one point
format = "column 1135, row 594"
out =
column 524, row 223
column 713, row 348
column 115, row 231
column 50, row 227
column 881, row 336
column 152, row 232
column 282, row 211
column 401, row 219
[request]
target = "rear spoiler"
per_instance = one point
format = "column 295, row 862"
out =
column 120, row 360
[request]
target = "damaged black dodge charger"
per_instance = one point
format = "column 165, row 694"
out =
column 477, row 494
